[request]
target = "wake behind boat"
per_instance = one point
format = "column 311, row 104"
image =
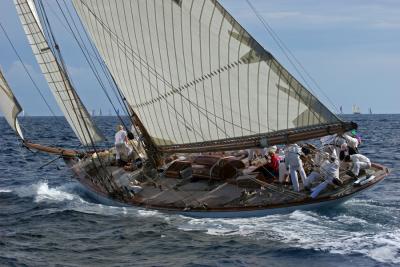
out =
column 202, row 96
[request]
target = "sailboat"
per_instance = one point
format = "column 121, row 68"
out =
column 199, row 91
column 356, row 109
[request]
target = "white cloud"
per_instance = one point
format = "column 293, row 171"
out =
column 312, row 14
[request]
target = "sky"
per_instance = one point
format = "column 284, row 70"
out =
column 351, row 48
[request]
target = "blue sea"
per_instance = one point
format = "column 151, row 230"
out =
column 48, row 219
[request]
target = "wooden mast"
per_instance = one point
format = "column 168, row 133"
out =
column 151, row 148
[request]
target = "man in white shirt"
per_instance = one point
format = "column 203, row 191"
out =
column 360, row 162
column 294, row 163
column 329, row 170
column 121, row 147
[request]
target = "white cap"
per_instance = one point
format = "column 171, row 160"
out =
column 272, row 149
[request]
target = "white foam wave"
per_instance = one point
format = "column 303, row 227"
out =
column 343, row 234
column 41, row 192
column 5, row 190
column 69, row 197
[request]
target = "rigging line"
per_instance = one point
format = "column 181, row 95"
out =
column 286, row 50
column 94, row 55
column 197, row 106
column 51, row 45
column 103, row 24
column 39, row 33
column 67, row 82
column 193, row 104
column 188, row 100
column 83, row 48
column 71, row 103
column 136, row 56
column 36, row 33
column 104, row 68
column 27, row 72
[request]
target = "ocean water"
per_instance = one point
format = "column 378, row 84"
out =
column 48, row 219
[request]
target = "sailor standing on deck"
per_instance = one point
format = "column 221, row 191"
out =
column 293, row 161
column 121, row 147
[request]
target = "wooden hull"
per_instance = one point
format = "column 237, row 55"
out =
column 231, row 212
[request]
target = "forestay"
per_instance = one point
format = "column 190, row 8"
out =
column 194, row 75
column 9, row 105
column 66, row 97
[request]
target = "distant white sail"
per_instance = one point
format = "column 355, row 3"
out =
column 9, row 105
column 193, row 74
column 66, row 97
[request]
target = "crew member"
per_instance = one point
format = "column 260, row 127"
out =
column 271, row 168
column 122, row 150
column 360, row 162
column 329, row 170
column 293, row 161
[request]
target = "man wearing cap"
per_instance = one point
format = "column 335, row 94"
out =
column 271, row 168
column 294, row 163
column 329, row 170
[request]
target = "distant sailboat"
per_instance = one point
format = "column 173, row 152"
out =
column 370, row 111
column 356, row 109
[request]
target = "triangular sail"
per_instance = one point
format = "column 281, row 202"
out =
column 9, row 105
column 194, row 76
column 66, row 97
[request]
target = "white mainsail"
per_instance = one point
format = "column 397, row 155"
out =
column 66, row 97
column 9, row 106
column 192, row 74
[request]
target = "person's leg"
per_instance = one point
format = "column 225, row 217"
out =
column 282, row 172
column 316, row 190
column 356, row 168
column 302, row 174
column 117, row 155
column 364, row 166
column 311, row 178
column 294, row 178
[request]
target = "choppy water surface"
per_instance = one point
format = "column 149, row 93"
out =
column 47, row 219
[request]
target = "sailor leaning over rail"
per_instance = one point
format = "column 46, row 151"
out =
column 360, row 162
column 294, row 163
column 329, row 170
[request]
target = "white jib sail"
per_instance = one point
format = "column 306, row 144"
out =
column 9, row 105
column 193, row 74
column 66, row 97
